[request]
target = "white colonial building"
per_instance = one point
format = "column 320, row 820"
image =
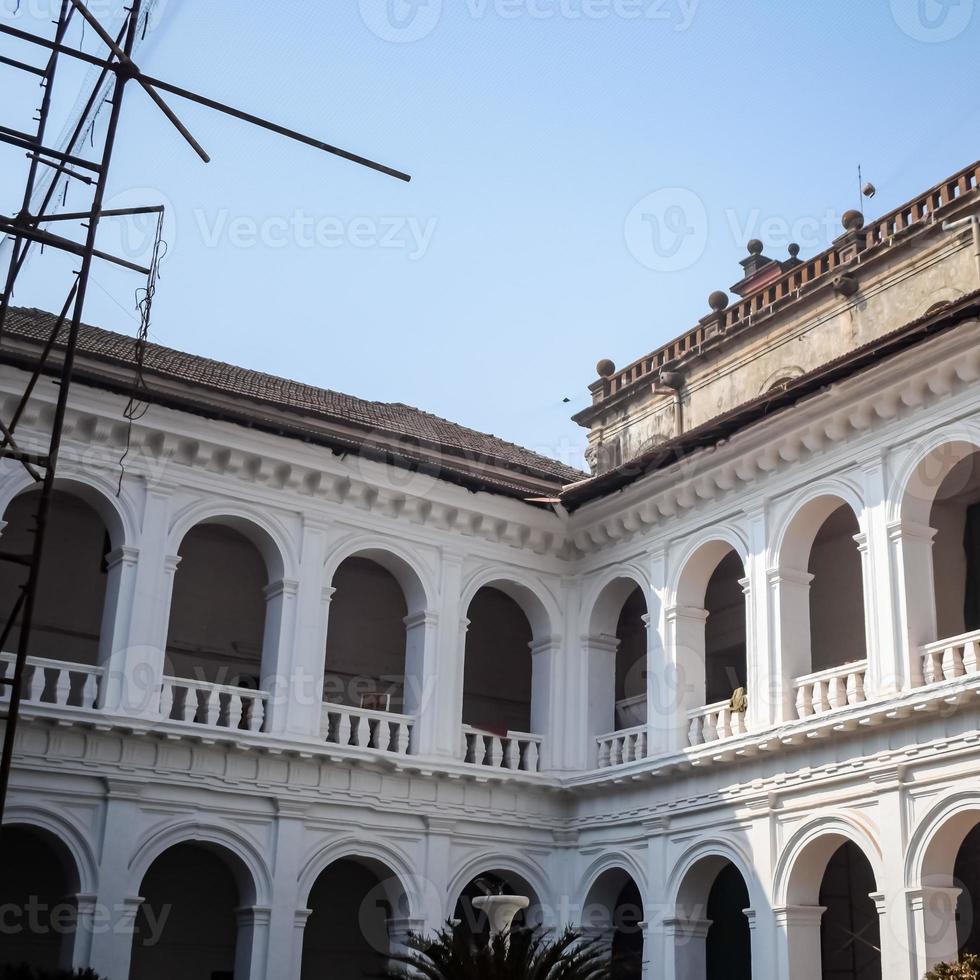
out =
column 307, row 667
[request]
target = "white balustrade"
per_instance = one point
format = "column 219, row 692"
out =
column 212, row 705
column 364, row 729
column 826, row 690
column 952, row 658
column 618, row 748
column 54, row 682
column 519, row 751
column 714, row 722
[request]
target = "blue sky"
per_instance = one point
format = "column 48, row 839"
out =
column 550, row 141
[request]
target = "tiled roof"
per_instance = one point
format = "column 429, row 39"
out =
column 403, row 422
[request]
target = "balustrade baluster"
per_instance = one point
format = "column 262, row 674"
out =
column 90, row 691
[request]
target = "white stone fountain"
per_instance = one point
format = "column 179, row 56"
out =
column 501, row 910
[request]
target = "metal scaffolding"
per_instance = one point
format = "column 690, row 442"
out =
column 115, row 71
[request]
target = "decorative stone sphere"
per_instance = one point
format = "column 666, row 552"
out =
column 605, row 368
column 793, row 249
column 718, row 301
column 852, row 221
column 755, row 247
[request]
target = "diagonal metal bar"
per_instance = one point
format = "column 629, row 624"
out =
column 274, row 127
column 28, row 142
column 85, row 215
column 65, row 244
column 22, row 65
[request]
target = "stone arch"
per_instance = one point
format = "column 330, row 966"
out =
column 820, row 575
column 715, row 894
column 803, row 859
column 619, row 861
column 946, row 892
column 415, row 580
column 936, row 498
column 66, row 832
column 402, row 883
column 708, row 632
column 535, row 600
column 793, row 535
column 613, row 912
column 41, row 892
column 271, row 539
column 615, row 632
column 511, row 661
column 698, row 560
column 518, row 869
column 250, row 868
column 75, row 608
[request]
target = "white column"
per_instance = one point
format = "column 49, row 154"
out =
column 789, row 611
column 798, row 936
column 888, row 666
column 422, row 680
column 600, row 653
column 686, row 948
column 685, row 647
column 284, row 957
column 762, row 662
column 447, row 705
column 300, row 918
column 657, row 938
column 305, row 658
column 435, row 876
column 277, row 653
column 252, row 943
column 121, row 569
column 661, row 692
column 80, row 941
column 118, row 894
column 913, row 587
column 142, row 613
column 932, row 915
column 546, row 666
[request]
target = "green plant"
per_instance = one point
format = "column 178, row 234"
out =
column 525, row 954
column 968, row 968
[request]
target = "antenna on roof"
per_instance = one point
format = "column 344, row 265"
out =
column 115, row 70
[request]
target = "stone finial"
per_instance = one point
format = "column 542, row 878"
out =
column 755, row 247
column 852, row 221
column 718, row 301
column 794, row 250
column 605, row 368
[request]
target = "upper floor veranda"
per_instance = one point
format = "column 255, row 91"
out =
column 228, row 585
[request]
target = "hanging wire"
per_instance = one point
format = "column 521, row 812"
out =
column 137, row 407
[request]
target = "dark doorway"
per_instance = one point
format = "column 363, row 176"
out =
column 728, row 948
column 850, row 941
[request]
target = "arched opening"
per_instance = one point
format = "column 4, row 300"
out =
column 822, row 609
column 70, row 603
column 190, row 923
column 709, row 626
column 850, row 940
column 950, row 880
column 832, row 918
column 712, row 929
column 224, row 620
column 497, row 669
column 354, row 905
column 613, row 915
column 616, row 648
column 495, row 882
column 38, row 886
column 955, row 517
column 365, row 655
column 217, row 614
column 631, row 662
